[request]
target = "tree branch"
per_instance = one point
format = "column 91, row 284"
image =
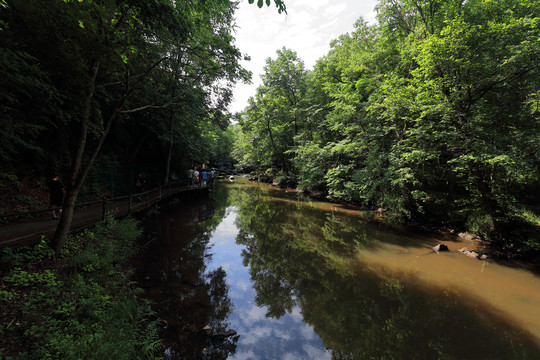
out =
column 167, row 104
column 136, row 77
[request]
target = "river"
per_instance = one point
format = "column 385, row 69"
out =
column 257, row 272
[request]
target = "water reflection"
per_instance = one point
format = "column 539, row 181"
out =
column 192, row 300
column 306, row 258
column 311, row 280
column 261, row 337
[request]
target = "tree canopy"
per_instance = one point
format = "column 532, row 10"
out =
column 432, row 114
column 127, row 82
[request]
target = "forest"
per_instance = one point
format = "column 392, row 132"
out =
column 98, row 91
column 94, row 89
column 431, row 115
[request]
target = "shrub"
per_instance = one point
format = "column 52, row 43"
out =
column 82, row 305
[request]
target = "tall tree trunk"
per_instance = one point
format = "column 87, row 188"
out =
column 496, row 213
column 64, row 225
column 280, row 153
column 171, row 143
column 134, row 152
column 79, row 171
column 171, row 122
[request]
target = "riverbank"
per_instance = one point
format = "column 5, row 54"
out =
column 83, row 302
column 519, row 246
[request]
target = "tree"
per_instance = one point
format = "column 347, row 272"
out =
column 274, row 117
column 107, row 61
column 432, row 114
column 464, row 103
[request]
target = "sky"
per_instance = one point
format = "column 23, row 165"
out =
column 261, row 337
column 308, row 28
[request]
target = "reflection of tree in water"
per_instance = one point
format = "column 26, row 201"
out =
column 298, row 257
column 192, row 301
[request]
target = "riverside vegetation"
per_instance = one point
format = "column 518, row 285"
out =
column 80, row 305
column 432, row 113
column 99, row 90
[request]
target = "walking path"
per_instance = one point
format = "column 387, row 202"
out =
column 31, row 230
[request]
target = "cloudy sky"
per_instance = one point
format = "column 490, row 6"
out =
column 308, row 28
column 261, row 337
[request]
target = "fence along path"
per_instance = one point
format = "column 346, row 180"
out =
column 24, row 232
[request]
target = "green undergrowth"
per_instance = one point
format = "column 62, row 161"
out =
column 81, row 305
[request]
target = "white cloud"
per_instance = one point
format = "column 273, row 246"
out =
column 308, row 28
column 307, row 333
column 260, row 331
column 242, row 285
column 290, row 356
column 254, row 335
column 246, row 355
column 334, row 10
column 226, row 231
column 296, row 314
column 316, row 352
column 252, row 314
column 283, row 334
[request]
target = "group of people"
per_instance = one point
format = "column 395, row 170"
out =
column 200, row 176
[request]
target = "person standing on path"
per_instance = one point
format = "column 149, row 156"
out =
column 200, row 177
column 190, row 176
column 205, row 177
column 139, row 185
column 57, row 192
column 196, row 177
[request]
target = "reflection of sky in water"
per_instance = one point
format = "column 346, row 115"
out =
column 260, row 337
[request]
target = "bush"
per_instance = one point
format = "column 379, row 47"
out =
column 82, row 305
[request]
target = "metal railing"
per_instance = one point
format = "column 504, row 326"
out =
column 151, row 196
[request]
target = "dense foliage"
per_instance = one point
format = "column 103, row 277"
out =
column 82, row 305
column 114, row 82
column 156, row 63
column 432, row 114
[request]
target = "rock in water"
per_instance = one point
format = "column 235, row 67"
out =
column 473, row 253
column 467, row 236
column 441, row 247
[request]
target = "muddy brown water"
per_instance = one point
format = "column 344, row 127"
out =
column 256, row 272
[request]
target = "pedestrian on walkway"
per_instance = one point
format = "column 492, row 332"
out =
column 212, row 176
column 200, row 177
column 196, row 177
column 205, row 177
column 57, row 192
column 139, row 185
column 190, row 176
